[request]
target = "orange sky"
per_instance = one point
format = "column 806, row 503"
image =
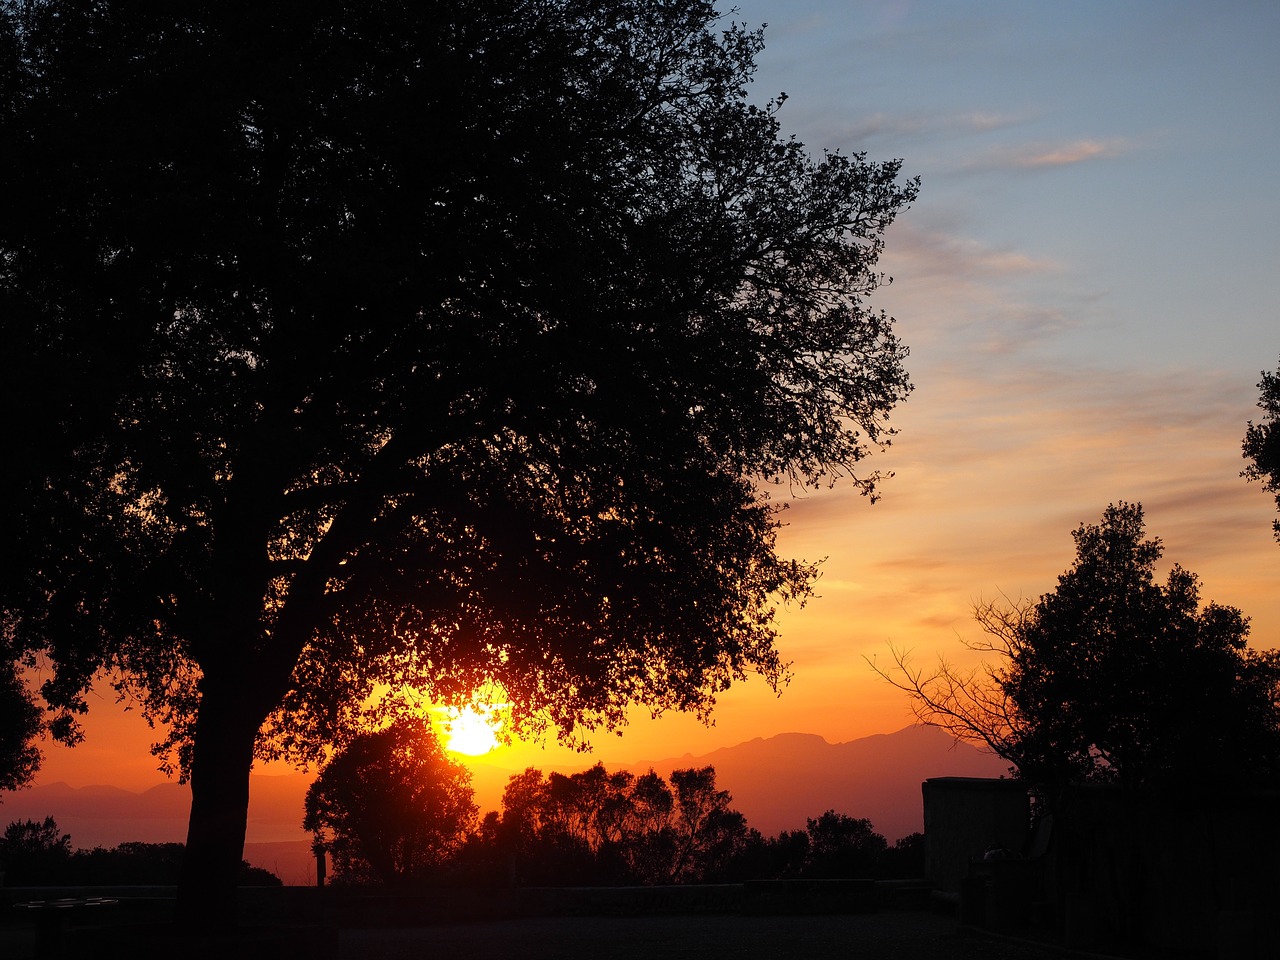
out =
column 1087, row 285
column 965, row 517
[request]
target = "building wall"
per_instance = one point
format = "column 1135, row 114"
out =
column 964, row 818
column 1188, row 870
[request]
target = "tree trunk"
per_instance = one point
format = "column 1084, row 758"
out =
column 222, row 754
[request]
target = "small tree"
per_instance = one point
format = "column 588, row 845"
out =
column 391, row 807
column 843, row 846
column 905, row 859
column 1112, row 676
column 34, row 852
column 707, row 830
column 1262, row 441
column 137, row 863
column 601, row 827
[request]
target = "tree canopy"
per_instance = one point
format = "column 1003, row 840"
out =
column 1262, row 441
column 842, row 846
column 358, row 347
column 391, row 806
column 616, row 827
column 20, row 724
column 597, row 826
column 1113, row 676
column 36, row 853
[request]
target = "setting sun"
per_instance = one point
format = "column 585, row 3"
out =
column 471, row 733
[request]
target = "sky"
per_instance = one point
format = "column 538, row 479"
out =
column 1087, row 284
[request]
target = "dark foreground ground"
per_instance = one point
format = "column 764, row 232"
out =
column 891, row 935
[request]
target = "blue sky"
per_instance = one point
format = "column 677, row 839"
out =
column 1105, row 168
column 1088, row 284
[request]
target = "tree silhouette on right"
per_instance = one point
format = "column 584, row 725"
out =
column 1262, row 441
column 1112, row 676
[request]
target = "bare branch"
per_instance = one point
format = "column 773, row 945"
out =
column 971, row 705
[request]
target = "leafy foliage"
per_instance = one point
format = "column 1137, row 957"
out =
column 20, row 722
column 596, row 826
column 35, row 853
column 1262, row 441
column 905, row 860
column 379, row 347
column 445, row 345
column 842, row 846
column 607, row 827
column 833, row 845
column 391, row 806
column 1113, row 676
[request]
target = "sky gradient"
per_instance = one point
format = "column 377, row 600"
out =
column 1087, row 286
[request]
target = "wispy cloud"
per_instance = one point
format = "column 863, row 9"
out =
column 977, row 121
column 1046, row 155
column 1062, row 155
column 994, row 473
column 901, row 128
column 933, row 253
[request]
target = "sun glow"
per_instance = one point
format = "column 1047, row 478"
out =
column 470, row 732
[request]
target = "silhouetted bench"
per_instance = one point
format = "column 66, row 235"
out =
column 54, row 918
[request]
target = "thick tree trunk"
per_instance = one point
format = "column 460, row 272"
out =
column 221, row 760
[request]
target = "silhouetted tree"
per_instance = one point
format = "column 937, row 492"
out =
column 430, row 345
column 1113, row 676
column 707, row 831
column 134, row 862
column 1262, row 441
column 758, row 857
column 523, row 800
column 647, row 841
column 790, row 850
column 391, row 806
column 600, row 827
column 905, row 860
column 545, row 831
column 34, row 852
column 20, row 722
column 842, row 846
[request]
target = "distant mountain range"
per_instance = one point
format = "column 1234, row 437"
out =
column 776, row 782
column 779, row 782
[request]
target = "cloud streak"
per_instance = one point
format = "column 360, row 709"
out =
column 909, row 127
column 1049, row 155
column 931, row 254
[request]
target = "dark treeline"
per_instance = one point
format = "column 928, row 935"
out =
column 35, row 853
column 598, row 827
column 595, row 827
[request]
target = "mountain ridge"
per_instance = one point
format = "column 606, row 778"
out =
column 877, row 777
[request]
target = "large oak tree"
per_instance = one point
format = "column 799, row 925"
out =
column 354, row 346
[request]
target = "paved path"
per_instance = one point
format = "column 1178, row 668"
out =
column 888, row 935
